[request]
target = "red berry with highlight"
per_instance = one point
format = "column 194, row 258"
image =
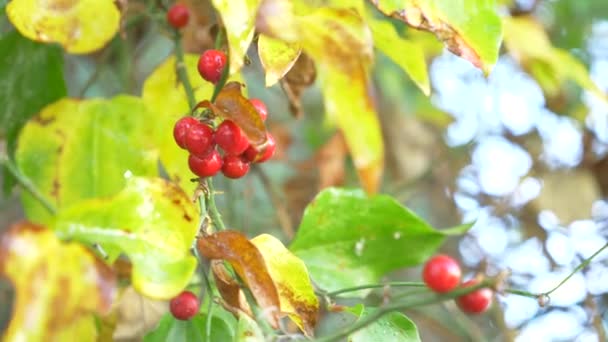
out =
column 178, row 16
column 441, row 273
column 231, row 138
column 235, row 167
column 271, row 147
column 206, row 166
column 181, row 128
column 184, row 306
column 475, row 302
column 260, row 107
column 199, row 139
column 211, row 64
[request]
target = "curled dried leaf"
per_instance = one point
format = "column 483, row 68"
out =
column 248, row 263
column 300, row 76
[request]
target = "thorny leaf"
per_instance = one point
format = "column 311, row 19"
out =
column 69, row 150
column 231, row 104
column 301, row 76
column 58, row 286
column 152, row 221
column 79, row 26
column 249, row 264
column 277, row 57
column 470, row 29
column 238, row 16
column 291, row 279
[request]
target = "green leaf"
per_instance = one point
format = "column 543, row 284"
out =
column 406, row 53
column 58, row 286
column 348, row 239
column 392, row 327
column 193, row 330
column 248, row 330
column 32, row 76
column 277, row 57
column 152, row 221
column 551, row 66
column 80, row 149
column 238, row 18
column 469, row 28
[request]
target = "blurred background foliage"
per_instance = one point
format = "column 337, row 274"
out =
column 523, row 152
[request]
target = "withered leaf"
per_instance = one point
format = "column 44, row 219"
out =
column 248, row 263
column 229, row 289
column 231, row 104
column 300, row 76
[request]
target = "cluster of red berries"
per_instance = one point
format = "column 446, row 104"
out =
column 201, row 140
column 184, row 306
column 442, row 274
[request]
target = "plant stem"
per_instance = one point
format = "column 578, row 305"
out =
column 182, row 73
column 26, row 183
column 216, row 218
column 375, row 286
column 398, row 306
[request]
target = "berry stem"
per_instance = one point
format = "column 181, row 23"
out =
column 26, row 183
column 411, row 302
column 376, row 286
column 180, row 68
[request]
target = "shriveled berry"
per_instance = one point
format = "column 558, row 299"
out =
column 475, row 302
column 231, row 138
column 441, row 273
column 184, row 306
column 211, row 64
column 206, row 166
column 260, row 107
column 199, row 139
column 271, row 147
column 252, row 154
column 181, row 128
column 178, row 16
column 235, row 167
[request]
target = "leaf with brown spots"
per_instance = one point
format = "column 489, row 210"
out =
column 234, row 247
column 470, row 29
column 291, row 279
column 80, row 26
column 232, row 105
column 152, row 221
column 58, row 286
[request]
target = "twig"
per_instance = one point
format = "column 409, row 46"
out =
column 398, row 306
column 26, row 183
column 279, row 205
column 376, row 286
column 180, row 68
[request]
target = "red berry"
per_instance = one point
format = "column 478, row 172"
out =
column 251, row 154
column 184, row 306
column 181, row 128
column 441, row 273
column 199, row 139
column 231, row 138
column 178, row 16
column 210, row 65
column 475, row 302
column 206, row 166
column 260, row 107
column 235, row 167
column 271, row 146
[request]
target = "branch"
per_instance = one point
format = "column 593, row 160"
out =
column 376, row 286
column 26, row 183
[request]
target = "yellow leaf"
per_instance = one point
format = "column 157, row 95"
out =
column 238, row 17
column 277, row 57
column 58, row 286
column 288, row 272
column 80, row 26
